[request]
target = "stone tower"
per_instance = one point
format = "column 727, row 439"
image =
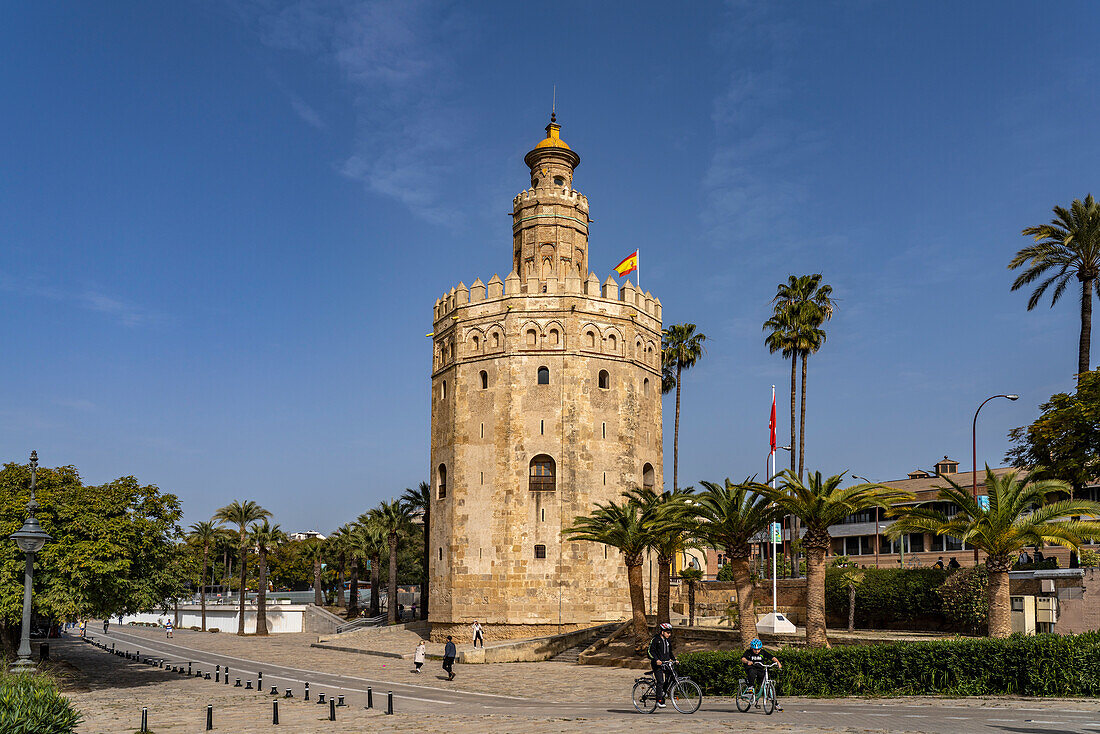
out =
column 546, row 398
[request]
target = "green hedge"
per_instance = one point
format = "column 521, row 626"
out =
column 886, row 596
column 1042, row 665
column 31, row 704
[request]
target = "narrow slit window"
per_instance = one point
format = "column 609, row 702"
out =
column 441, row 481
column 542, row 428
column 604, row 380
column 485, row 380
column 603, row 428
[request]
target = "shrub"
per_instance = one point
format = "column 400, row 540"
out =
column 725, row 573
column 1041, row 665
column 886, row 596
column 31, row 704
column 1089, row 558
column 965, row 599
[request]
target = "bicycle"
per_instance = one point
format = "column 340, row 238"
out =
column 746, row 696
column 685, row 693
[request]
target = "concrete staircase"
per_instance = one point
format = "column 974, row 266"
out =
column 571, row 655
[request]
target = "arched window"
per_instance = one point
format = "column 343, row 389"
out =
column 647, row 476
column 532, row 338
column 485, row 380
column 542, row 474
column 553, row 337
column 645, row 387
column 612, row 344
column 590, row 339
column 605, row 380
column 443, row 390
column 544, row 375
column 496, row 340
column 441, row 482
column 476, row 342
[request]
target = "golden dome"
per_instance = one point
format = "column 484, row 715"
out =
column 553, row 136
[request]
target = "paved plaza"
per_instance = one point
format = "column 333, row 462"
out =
column 532, row 698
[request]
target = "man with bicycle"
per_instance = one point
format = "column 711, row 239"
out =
column 660, row 652
column 755, row 657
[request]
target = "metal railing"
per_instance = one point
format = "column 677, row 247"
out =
column 361, row 623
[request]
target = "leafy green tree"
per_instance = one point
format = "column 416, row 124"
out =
column 626, row 527
column 1067, row 248
column 338, row 542
column 681, row 349
column 264, row 537
column 1019, row 516
column 394, row 520
column 821, row 503
column 113, row 549
column 291, row 566
column 313, row 550
column 964, row 597
column 203, row 535
column 242, row 514
column 670, row 523
column 1064, row 442
column 729, row 515
column 419, row 500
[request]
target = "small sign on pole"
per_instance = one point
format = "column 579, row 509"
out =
column 777, row 533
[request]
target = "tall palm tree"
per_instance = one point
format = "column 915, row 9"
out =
column 204, row 535
column 691, row 577
column 729, row 515
column 1020, row 514
column 681, row 349
column 394, row 519
column 242, row 514
column 265, row 537
column 314, row 552
column 821, row 503
column 783, row 337
column 353, row 551
column 374, row 542
column 420, row 500
column 338, row 543
column 669, row 524
column 1068, row 247
column 626, row 527
column 226, row 543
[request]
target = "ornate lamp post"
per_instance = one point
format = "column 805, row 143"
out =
column 30, row 538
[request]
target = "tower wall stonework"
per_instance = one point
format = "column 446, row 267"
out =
column 498, row 554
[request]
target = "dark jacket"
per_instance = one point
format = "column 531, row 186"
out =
column 450, row 651
column 660, row 649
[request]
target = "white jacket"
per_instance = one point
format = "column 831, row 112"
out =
column 418, row 656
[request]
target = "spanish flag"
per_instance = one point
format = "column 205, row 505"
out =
column 628, row 265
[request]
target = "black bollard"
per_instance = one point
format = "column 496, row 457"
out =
column 189, row 667
column 237, row 684
column 332, row 709
column 260, row 681
column 144, row 718
column 274, row 690
column 207, row 677
column 370, row 698
column 320, row 698
column 275, row 712
column 209, row 717
column 340, row 702
column 227, row 676
column 307, row 692
column 389, row 703
column 217, row 676
column 289, row 693
column 248, row 687
column 137, row 655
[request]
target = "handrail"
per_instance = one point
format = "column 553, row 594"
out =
column 360, row 623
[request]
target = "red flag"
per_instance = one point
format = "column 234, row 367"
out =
column 771, row 423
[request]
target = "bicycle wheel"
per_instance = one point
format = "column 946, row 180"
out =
column 687, row 697
column 644, row 696
column 769, row 698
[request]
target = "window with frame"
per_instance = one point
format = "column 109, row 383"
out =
column 540, row 551
column 542, row 474
column 604, row 380
column 441, row 481
column 484, row 380
column 544, row 375
column 648, row 476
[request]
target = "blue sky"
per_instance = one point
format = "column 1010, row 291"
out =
column 223, row 225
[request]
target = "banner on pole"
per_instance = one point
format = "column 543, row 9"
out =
column 777, row 533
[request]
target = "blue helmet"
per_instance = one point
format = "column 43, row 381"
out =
column 756, row 644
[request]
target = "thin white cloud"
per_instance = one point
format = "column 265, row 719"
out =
column 309, row 115
column 89, row 298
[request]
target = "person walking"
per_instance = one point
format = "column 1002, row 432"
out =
column 168, row 628
column 83, row 628
column 419, row 655
column 106, row 624
column 478, row 637
column 450, row 652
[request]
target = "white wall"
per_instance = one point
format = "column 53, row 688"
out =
column 280, row 618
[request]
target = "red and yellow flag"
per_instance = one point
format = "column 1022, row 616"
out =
column 628, row 265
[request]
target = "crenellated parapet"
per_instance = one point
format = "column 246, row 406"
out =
column 565, row 196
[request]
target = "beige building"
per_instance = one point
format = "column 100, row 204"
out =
column 546, row 398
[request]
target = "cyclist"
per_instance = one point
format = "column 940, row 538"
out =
column 660, row 652
column 753, row 658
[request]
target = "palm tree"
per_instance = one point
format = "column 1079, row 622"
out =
column 820, row 503
column 225, row 543
column 204, row 535
column 242, row 514
column 338, row 544
column 668, row 520
column 623, row 526
column 729, row 516
column 394, row 520
column 265, row 537
column 373, row 539
column 313, row 550
column 852, row 577
column 681, row 349
column 691, row 577
column 353, row 551
column 1069, row 247
column 1019, row 515
column 783, row 337
column 420, row 500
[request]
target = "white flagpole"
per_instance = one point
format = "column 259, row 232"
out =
column 771, row 529
column 638, row 267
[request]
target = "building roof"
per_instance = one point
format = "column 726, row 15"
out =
column 924, row 486
column 553, row 136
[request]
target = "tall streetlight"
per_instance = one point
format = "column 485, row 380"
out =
column 30, row 538
column 974, row 447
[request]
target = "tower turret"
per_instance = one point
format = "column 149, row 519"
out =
column 550, row 220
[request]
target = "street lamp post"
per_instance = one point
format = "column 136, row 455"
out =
column 865, row 479
column 974, row 447
column 30, row 538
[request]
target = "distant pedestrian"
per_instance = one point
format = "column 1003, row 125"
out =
column 954, row 563
column 450, row 652
column 938, row 564
column 419, row 655
column 168, row 628
column 83, row 628
column 106, row 624
column 1025, row 557
column 1038, row 556
column 478, row 637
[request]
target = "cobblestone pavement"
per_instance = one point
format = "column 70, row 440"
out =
column 532, row 698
